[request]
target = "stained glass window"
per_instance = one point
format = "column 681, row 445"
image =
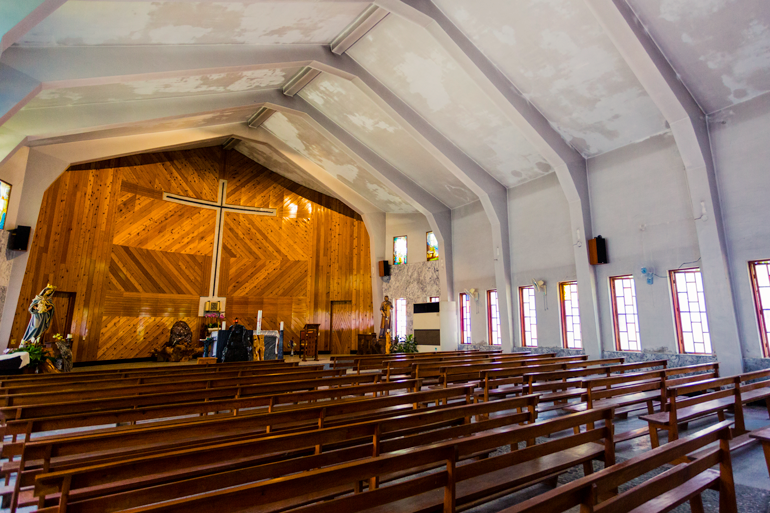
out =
column 493, row 318
column 623, row 293
column 432, row 247
column 5, row 195
column 760, row 280
column 399, row 250
column 570, row 315
column 434, row 299
column 400, row 318
column 528, row 313
column 465, row 319
column 690, row 311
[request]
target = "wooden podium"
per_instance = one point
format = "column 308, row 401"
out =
column 308, row 339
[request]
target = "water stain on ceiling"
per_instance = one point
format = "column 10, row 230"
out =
column 556, row 53
column 409, row 61
column 348, row 106
column 720, row 48
column 79, row 23
column 308, row 142
column 272, row 159
column 219, row 83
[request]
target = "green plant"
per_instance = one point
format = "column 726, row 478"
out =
column 38, row 353
column 404, row 345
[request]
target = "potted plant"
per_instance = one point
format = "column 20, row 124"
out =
column 404, row 345
column 38, row 355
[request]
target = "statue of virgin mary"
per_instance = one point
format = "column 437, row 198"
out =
column 41, row 310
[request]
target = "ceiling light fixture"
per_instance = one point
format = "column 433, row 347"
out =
column 260, row 117
column 358, row 29
column 300, row 80
column 230, row 143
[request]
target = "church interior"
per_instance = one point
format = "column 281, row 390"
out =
column 390, row 256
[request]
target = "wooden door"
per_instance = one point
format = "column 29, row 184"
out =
column 64, row 307
column 341, row 327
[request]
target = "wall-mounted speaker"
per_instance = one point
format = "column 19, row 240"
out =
column 597, row 251
column 384, row 268
column 18, row 238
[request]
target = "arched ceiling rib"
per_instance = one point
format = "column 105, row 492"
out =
column 558, row 56
column 122, row 67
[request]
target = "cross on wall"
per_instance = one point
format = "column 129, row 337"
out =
column 221, row 209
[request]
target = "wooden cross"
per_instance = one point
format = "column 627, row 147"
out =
column 221, row 209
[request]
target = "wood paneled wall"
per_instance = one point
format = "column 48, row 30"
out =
column 138, row 263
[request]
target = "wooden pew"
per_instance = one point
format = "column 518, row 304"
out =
column 171, row 386
column 559, row 387
column 763, row 436
column 90, row 385
column 713, row 400
column 682, row 483
column 138, row 371
column 472, row 372
column 188, row 462
column 30, row 426
column 319, row 414
column 235, row 390
column 632, row 392
column 61, row 452
column 431, row 371
column 437, row 481
column 399, row 369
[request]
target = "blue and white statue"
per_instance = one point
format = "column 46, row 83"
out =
column 41, row 310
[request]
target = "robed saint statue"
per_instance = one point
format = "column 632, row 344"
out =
column 41, row 311
column 386, row 309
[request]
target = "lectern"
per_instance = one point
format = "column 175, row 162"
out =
column 308, row 338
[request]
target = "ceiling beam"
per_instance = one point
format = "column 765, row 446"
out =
column 437, row 214
column 569, row 165
column 22, row 16
column 689, row 127
column 16, row 91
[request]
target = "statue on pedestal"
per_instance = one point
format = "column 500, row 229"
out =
column 41, row 310
column 386, row 309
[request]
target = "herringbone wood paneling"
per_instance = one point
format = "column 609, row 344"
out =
column 159, row 272
column 136, row 337
column 138, row 263
column 150, row 223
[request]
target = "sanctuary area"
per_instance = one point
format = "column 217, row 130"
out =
column 331, row 256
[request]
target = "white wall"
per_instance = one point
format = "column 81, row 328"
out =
column 640, row 204
column 473, row 262
column 541, row 248
column 741, row 146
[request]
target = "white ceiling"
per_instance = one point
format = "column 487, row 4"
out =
column 721, row 48
column 558, row 56
column 88, row 23
column 552, row 52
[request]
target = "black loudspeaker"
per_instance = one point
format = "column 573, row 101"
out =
column 18, row 240
column 384, row 268
column 597, row 251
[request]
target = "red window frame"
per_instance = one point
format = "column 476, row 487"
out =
column 493, row 325
column 434, row 299
column 523, row 322
column 465, row 319
column 678, row 312
column 761, row 309
column 616, row 314
column 564, row 332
